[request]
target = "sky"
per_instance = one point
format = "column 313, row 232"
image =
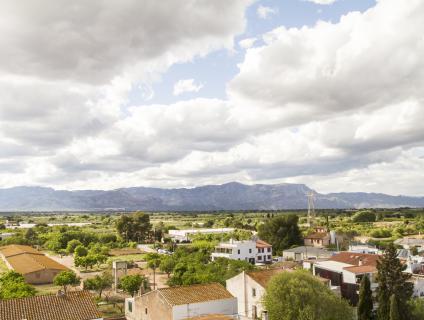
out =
column 106, row 94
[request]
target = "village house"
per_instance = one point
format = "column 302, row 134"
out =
column 306, row 253
column 410, row 243
column 184, row 235
column 345, row 271
column 254, row 251
column 178, row 303
column 35, row 267
column 249, row 289
column 75, row 305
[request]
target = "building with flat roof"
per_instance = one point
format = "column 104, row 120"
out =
column 254, row 251
column 184, row 235
column 35, row 267
column 75, row 305
column 305, row 253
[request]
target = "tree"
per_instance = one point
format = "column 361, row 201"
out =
column 417, row 308
column 392, row 281
column 153, row 262
column 99, row 283
column 66, row 279
column 167, row 264
column 86, row 262
column 364, row 216
column 72, row 245
column 13, row 285
column 30, row 235
column 132, row 283
column 365, row 305
column 394, row 310
column 299, row 295
column 135, row 227
column 80, row 251
column 282, row 232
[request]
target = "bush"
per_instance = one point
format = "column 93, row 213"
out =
column 364, row 216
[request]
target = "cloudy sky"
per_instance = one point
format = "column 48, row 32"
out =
column 105, row 94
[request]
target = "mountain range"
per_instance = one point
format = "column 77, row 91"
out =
column 229, row 196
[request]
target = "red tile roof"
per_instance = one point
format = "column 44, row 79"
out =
column 262, row 244
column 262, row 277
column 356, row 259
column 361, row 269
column 75, row 305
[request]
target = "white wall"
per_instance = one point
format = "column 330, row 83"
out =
column 241, row 286
column 225, row 306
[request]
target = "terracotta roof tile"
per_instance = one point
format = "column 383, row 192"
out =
column 361, row 269
column 28, row 263
column 356, row 259
column 16, row 249
column 76, row 305
column 194, row 294
column 262, row 244
column 264, row 276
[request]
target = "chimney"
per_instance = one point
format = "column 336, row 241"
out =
column 360, row 262
column 60, row 293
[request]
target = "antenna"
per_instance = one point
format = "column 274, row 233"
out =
column 311, row 209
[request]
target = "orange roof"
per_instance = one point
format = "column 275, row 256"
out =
column 194, row 294
column 262, row 244
column 361, row 269
column 75, row 305
column 28, row 263
column 16, row 249
column 356, row 259
column 262, row 277
column 24, row 259
column 317, row 235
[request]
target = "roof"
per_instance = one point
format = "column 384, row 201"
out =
column 75, row 305
column 332, row 265
column 410, row 241
column 361, row 269
column 312, row 250
column 25, row 259
column 356, row 259
column 28, row 263
column 262, row 277
column 16, row 249
column 317, row 235
column 262, row 244
column 194, row 294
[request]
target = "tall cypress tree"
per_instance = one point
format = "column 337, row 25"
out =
column 392, row 281
column 394, row 309
column 365, row 305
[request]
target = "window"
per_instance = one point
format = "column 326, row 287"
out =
column 259, row 257
column 253, row 292
column 269, row 249
column 130, row 306
column 145, row 310
column 250, row 250
column 238, row 251
column 269, row 257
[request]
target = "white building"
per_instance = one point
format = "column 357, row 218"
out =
column 363, row 248
column 409, row 243
column 249, row 289
column 178, row 303
column 304, row 253
column 253, row 251
column 184, row 235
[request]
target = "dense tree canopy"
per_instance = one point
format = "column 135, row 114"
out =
column 281, row 231
column 13, row 285
column 393, row 281
column 99, row 283
column 365, row 304
column 300, row 296
column 364, row 216
column 135, row 227
column 66, row 279
column 132, row 283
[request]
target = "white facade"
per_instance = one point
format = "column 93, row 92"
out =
column 363, row 248
column 418, row 286
column 249, row 295
column 186, row 311
column 246, row 250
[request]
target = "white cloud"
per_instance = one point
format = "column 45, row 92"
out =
column 247, row 43
column 324, row 2
column 337, row 106
column 264, row 12
column 186, row 85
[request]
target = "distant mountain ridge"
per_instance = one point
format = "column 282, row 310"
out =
column 229, row 196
